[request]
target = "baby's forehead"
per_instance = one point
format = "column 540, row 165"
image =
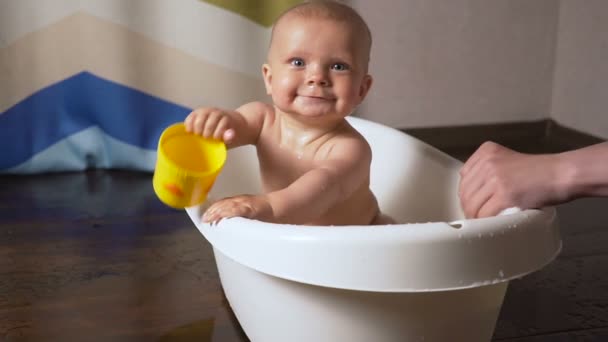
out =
column 318, row 17
column 296, row 21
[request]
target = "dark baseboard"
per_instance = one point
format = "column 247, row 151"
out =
column 543, row 136
column 569, row 137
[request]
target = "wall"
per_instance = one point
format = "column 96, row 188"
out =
column 458, row 62
column 580, row 92
column 92, row 83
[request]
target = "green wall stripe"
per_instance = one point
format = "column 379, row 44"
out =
column 263, row 12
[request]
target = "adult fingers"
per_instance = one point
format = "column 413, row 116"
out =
column 486, row 149
column 473, row 180
column 477, row 200
column 491, row 207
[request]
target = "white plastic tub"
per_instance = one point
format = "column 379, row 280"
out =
column 436, row 277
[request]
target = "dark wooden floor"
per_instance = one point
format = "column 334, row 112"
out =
column 94, row 256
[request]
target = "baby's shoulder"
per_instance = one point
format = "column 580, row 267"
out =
column 349, row 141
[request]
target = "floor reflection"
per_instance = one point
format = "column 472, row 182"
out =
column 201, row 331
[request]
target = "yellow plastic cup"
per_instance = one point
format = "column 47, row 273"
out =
column 186, row 166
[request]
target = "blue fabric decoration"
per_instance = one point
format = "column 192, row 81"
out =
column 84, row 122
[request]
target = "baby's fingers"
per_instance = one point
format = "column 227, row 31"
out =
column 195, row 121
column 189, row 122
column 223, row 209
column 223, row 130
column 212, row 125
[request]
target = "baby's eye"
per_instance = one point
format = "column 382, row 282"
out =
column 339, row 67
column 297, row 62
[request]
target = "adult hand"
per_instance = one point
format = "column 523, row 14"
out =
column 495, row 178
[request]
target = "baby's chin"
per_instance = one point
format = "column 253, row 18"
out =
column 314, row 109
column 315, row 117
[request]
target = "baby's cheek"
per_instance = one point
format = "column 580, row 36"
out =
column 287, row 83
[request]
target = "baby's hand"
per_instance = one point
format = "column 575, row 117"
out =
column 249, row 206
column 211, row 123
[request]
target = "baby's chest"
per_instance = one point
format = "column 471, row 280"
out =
column 280, row 166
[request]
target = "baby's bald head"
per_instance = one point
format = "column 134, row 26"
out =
column 329, row 10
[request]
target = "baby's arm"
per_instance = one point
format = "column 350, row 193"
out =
column 239, row 127
column 331, row 181
column 320, row 189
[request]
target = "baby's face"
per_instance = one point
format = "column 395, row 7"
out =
column 317, row 69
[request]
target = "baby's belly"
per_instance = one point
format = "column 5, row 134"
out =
column 360, row 209
column 355, row 212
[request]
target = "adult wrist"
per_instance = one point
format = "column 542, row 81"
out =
column 567, row 173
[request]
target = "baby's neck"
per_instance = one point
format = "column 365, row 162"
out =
column 298, row 135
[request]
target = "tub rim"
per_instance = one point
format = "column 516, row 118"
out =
column 392, row 258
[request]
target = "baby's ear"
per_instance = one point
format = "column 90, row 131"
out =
column 267, row 73
column 366, row 84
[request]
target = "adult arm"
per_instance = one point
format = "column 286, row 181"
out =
column 495, row 178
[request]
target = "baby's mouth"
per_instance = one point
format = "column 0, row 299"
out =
column 314, row 97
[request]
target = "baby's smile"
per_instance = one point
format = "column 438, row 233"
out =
column 312, row 102
column 315, row 97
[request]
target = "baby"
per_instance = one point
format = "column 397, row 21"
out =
column 315, row 167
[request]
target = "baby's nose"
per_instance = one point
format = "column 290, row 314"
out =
column 317, row 76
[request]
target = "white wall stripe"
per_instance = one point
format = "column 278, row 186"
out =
column 19, row 17
column 203, row 30
column 215, row 34
column 83, row 42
